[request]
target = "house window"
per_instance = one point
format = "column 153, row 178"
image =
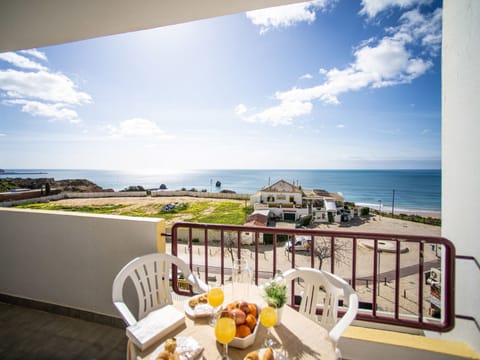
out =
column 292, row 199
column 270, row 198
column 281, row 197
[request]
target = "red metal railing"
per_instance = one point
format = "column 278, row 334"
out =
column 395, row 292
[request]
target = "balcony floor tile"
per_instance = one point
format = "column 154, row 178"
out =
column 32, row 334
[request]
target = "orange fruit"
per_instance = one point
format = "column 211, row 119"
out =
column 251, row 321
column 232, row 305
column 253, row 310
column 243, row 331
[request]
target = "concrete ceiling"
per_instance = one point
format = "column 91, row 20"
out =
column 26, row 24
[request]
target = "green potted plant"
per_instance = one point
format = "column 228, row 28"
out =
column 275, row 294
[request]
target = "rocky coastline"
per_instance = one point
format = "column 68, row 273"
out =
column 69, row 185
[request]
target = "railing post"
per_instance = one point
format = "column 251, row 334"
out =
column 375, row 277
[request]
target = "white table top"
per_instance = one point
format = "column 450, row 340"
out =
column 300, row 337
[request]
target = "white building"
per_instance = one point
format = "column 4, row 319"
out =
column 289, row 202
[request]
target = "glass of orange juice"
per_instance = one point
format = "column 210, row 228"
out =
column 225, row 330
column 215, row 297
column 269, row 318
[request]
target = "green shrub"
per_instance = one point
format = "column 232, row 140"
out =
column 305, row 220
column 268, row 238
column 6, row 185
column 133, row 188
column 365, row 211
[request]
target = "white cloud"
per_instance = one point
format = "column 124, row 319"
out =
column 37, row 90
column 287, row 15
column 3, row 134
column 386, row 64
column 282, row 114
column 56, row 111
column 425, row 29
column 377, row 63
column 21, row 61
column 41, row 85
column 306, row 76
column 240, row 109
column 340, row 126
column 371, row 8
column 34, row 52
column 138, row 128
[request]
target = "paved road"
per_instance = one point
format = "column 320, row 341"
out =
column 405, row 271
column 388, row 275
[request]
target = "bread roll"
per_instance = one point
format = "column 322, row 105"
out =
column 171, row 345
column 252, row 356
column 164, row 355
column 268, row 354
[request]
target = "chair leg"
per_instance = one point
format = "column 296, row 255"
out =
column 129, row 350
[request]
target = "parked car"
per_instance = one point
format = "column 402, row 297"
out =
column 302, row 243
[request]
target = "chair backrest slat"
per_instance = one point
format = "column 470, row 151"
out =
column 150, row 275
column 324, row 290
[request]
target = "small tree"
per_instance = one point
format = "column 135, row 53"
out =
column 305, row 220
column 134, row 188
column 230, row 239
column 323, row 251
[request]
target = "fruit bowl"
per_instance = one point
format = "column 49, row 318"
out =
column 244, row 323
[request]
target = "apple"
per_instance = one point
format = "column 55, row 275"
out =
column 244, row 307
column 239, row 316
column 227, row 313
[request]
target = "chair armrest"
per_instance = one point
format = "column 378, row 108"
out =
column 197, row 283
column 125, row 312
column 194, row 280
column 346, row 319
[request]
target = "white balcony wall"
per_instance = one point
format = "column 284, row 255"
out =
column 70, row 259
column 461, row 156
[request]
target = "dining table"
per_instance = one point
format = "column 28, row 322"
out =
column 297, row 336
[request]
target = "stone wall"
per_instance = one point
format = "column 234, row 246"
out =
column 71, row 195
column 202, row 194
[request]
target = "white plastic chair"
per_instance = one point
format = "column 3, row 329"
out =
column 151, row 276
column 323, row 289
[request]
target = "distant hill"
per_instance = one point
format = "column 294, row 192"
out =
column 70, row 185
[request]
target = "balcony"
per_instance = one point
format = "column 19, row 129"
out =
column 401, row 290
column 65, row 263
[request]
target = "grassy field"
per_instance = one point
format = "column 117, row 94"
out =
column 225, row 212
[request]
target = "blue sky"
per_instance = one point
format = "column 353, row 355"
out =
column 320, row 85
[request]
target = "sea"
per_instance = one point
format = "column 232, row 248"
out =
column 400, row 191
